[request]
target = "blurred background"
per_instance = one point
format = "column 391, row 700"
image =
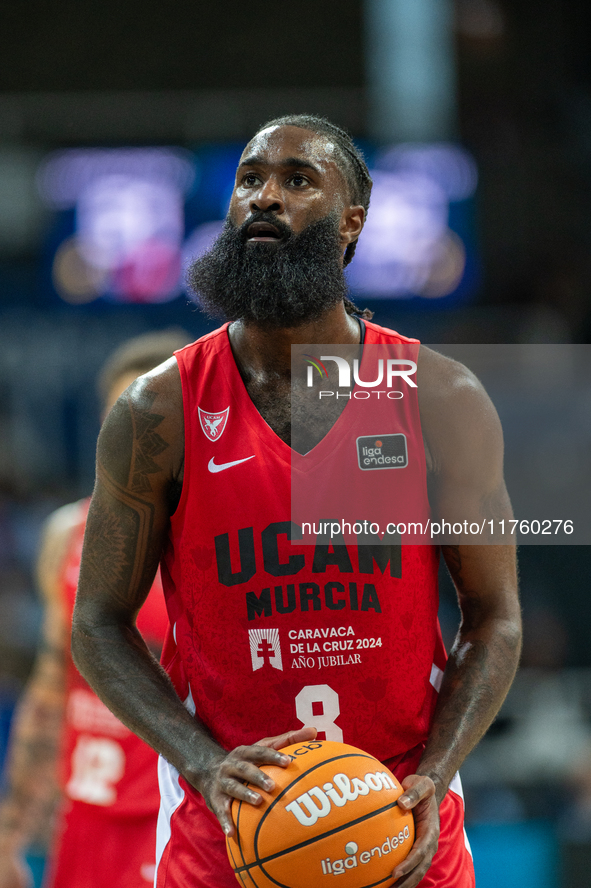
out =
column 120, row 128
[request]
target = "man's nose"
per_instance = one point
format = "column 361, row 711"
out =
column 268, row 198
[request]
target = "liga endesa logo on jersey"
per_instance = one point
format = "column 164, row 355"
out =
column 388, row 373
column 382, row 452
column 213, row 424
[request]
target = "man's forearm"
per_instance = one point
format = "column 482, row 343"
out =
column 26, row 811
column 479, row 672
column 119, row 667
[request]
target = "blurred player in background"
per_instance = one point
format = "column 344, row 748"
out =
column 65, row 742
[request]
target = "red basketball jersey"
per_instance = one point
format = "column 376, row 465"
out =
column 103, row 763
column 270, row 634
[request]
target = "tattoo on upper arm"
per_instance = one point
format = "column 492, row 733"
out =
column 120, row 540
column 147, row 444
column 122, row 523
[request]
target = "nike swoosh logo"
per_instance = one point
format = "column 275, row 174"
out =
column 213, row 467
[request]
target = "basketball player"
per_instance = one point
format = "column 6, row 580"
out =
column 106, row 827
column 194, row 469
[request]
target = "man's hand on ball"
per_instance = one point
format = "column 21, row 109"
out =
column 228, row 777
column 419, row 797
column 289, row 738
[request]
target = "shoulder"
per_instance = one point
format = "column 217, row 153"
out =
column 144, row 430
column 375, row 331
column 457, row 415
column 161, row 390
column 162, row 384
column 152, row 399
column 440, row 378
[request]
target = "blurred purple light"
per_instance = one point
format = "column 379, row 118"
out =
column 116, row 213
column 451, row 166
column 129, row 221
column 407, row 248
column 65, row 175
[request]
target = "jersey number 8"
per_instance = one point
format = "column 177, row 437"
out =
column 318, row 706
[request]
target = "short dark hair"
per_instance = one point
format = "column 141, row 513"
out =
column 351, row 163
column 140, row 355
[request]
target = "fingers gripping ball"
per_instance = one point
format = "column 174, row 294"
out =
column 333, row 812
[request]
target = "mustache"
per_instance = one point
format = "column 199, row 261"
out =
column 261, row 216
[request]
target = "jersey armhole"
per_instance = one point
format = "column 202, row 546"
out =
column 187, row 432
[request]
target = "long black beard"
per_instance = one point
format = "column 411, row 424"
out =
column 273, row 285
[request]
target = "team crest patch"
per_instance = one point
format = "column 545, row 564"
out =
column 213, row 424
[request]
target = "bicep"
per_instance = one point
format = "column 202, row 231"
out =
column 485, row 577
column 128, row 516
column 467, row 441
column 473, row 493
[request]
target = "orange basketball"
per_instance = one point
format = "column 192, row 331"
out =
column 333, row 812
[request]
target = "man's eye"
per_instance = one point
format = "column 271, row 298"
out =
column 298, row 179
column 250, row 179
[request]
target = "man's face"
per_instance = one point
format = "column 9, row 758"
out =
column 279, row 260
column 291, row 174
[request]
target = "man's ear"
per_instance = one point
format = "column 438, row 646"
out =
column 352, row 222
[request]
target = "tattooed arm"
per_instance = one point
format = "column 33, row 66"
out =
column 464, row 449
column 465, row 453
column 26, row 812
column 139, row 476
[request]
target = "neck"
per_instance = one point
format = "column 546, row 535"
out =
column 259, row 350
